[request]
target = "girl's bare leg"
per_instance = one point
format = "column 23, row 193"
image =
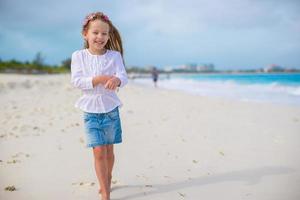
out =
column 101, row 167
column 110, row 162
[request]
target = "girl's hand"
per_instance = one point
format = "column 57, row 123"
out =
column 112, row 83
column 101, row 79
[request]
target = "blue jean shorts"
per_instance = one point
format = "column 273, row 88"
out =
column 102, row 128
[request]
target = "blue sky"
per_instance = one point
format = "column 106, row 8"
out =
column 232, row 34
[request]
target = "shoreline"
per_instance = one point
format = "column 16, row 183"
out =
column 274, row 93
column 219, row 98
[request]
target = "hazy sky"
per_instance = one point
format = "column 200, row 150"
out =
column 230, row 34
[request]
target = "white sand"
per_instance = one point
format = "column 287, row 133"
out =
column 175, row 145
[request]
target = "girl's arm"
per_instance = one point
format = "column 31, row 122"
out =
column 120, row 77
column 101, row 80
column 120, row 71
column 78, row 80
column 113, row 83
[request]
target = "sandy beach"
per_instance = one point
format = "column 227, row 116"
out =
column 175, row 145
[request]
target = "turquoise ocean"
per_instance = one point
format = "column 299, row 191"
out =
column 274, row 88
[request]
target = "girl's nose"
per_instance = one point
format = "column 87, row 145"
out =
column 100, row 36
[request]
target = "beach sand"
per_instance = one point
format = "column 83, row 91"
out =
column 175, row 145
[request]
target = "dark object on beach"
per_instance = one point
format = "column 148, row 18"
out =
column 10, row 188
column 154, row 74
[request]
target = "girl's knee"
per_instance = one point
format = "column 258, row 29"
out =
column 100, row 153
column 110, row 156
column 110, row 152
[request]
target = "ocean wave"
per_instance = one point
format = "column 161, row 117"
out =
column 269, row 92
column 295, row 92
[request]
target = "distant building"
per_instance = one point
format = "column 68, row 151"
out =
column 168, row 69
column 187, row 67
column 273, row 68
column 259, row 70
column 205, row 68
column 190, row 68
column 149, row 67
column 181, row 68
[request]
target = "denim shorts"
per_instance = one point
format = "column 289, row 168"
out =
column 102, row 128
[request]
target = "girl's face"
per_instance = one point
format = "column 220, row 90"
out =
column 97, row 35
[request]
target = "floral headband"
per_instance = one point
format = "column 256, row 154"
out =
column 94, row 16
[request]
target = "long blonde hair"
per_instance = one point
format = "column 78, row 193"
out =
column 114, row 42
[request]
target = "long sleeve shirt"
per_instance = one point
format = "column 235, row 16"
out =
column 85, row 66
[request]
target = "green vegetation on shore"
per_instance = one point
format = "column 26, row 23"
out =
column 36, row 66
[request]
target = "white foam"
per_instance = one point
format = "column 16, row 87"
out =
column 272, row 92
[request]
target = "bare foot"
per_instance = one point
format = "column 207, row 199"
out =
column 103, row 197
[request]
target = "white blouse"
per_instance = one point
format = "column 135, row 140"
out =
column 85, row 66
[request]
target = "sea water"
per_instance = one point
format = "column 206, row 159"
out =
column 275, row 88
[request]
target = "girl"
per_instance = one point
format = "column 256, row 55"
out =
column 98, row 70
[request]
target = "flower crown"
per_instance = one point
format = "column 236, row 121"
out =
column 94, row 16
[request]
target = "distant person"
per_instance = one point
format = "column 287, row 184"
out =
column 154, row 74
column 168, row 75
column 98, row 70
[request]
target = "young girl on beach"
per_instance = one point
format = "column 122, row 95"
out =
column 98, row 70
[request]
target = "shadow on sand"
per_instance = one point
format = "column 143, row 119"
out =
column 249, row 176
